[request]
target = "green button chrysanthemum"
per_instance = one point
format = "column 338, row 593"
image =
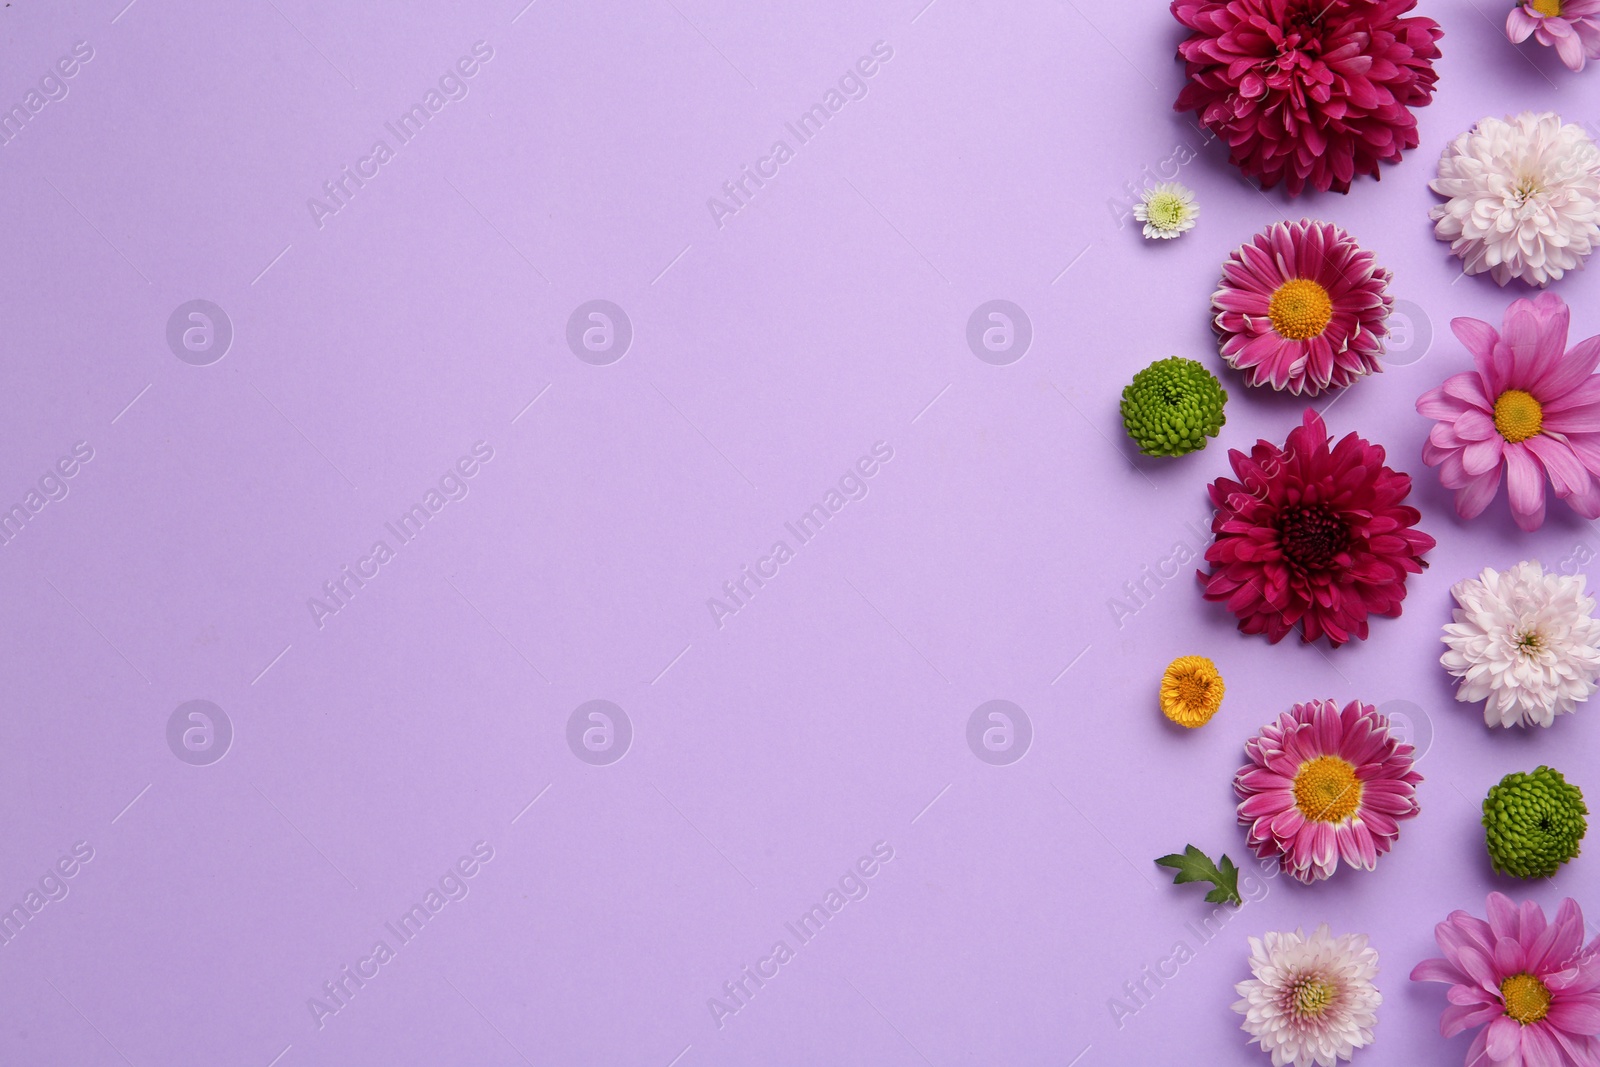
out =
column 1535, row 823
column 1172, row 406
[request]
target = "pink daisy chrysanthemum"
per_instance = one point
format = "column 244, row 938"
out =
column 1302, row 307
column 1312, row 536
column 1572, row 26
column 1531, row 985
column 1308, row 92
column 1325, row 784
column 1531, row 409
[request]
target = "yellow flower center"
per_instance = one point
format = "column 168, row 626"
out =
column 1312, row 997
column 1530, row 643
column 1300, row 309
column 1517, row 415
column 1526, row 998
column 1548, row 8
column 1166, row 210
column 1191, row 691
column 1326, row 789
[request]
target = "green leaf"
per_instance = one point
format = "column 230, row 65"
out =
column 1193, row 865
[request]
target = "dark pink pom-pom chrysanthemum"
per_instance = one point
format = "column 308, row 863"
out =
column 1308, row 92
column 1312, row 536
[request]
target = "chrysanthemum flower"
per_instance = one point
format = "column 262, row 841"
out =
column 1312, row 1001
column 1572, row 26
column 1325, row 784
column 1302, row 307
column 1172, row 406
column 1308, row 92
column 1523, row 197
column 1533, row 823
column 1311, row 536
column 1530, row 409
column 1191, row 691
column 1167, row 211
column 1532, row 986
column 1524, row 642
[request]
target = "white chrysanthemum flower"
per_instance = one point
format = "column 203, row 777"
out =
column 1524, row 197
column 1167, row 210
column 1312, row 1001
column 1525, row 642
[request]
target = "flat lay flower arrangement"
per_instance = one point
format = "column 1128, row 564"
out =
column 1315, row 535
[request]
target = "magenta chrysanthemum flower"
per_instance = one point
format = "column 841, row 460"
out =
column 1530, row 409
column 1532, row 986
column 1572, row 26
column 1308, row 92
column 1302, row 308
column 1324, row 785
column 1312, row 536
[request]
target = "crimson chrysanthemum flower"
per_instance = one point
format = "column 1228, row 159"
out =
column 1324, row 785
column 1302, row 307
column 1312, row 536
column 1308, row 92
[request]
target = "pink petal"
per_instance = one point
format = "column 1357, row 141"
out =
column 1474, row 425
column 1579, row 363
column 1459, row 1017
column 1480, row 339
column 1559, row 941
column 1580, row 1015
column 1520, row 25
column 1585, row 1051
column 1584, row 393
column 1502, row 916
column 1566, row 473
column 1585, row 419
column 1521, row 341
column 1470, row 387
column 1586, row 501
column 1504, row 1038
column 1438, row 970
column 1551, row 343
column 1539, row 1048
column 1481, row 457
column 1509, row 957
column 1525, row 487
column 1570, row 48
column 1472, row 498
column 1265, row 804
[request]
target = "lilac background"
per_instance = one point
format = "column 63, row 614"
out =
column 828, row 714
